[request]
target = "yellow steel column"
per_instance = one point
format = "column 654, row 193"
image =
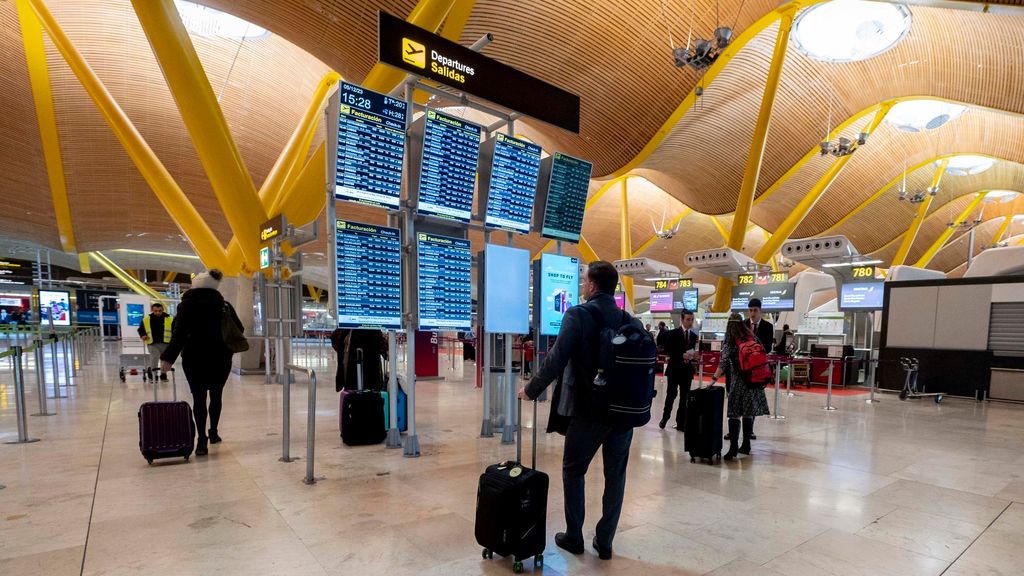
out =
column 924, row 260
column 547, row 246
column 42, row 94
column 922, row 213
column 755, row 155
column 83, row 263
column 305, row 199
column 120, row 274
column 720, row 228
column 774, row 261
column 169, row 276
column 205, row 243
column 803, row 208
column 587, row 251
column 1002, row 229
column 428, row 14
column 201, row 112
column 625, row 242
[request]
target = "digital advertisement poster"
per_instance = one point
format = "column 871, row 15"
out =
column 559, row 290
column 55, row 306
column 136, row 312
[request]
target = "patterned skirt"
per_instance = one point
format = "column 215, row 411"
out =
column 746, row 402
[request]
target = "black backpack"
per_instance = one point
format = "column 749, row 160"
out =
column 623, row 387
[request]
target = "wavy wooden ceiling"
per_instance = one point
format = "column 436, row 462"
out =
column 614, row 55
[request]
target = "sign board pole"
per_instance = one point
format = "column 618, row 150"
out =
column 411, row 446
column 484, row 358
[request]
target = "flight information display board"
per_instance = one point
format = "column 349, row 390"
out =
column 371, row 146
column 685, row 299
column 564, row 182
column 509, row 169
column 443, row 270
column 862, row 296
column 369, row 272
column 446, row 173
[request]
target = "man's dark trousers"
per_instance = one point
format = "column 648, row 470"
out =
column 678, row 381
column 581, row 443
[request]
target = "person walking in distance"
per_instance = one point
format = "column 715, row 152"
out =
column 576, row 347
column 745, row 402
column 155, row 331
column 680, row 346
column 196, row 335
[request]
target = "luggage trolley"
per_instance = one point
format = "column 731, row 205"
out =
column 911, row 367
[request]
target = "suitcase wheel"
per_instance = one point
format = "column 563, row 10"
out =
column 692, row 459
column 517, row 568
column 150, row 460
column 487, row 554
column 186, row 458
column 938, row 399
column 538, row 561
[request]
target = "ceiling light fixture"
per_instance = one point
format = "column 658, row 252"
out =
column 850, row 30
column 203, row 21
column 922, row 115
column 968, row 164
column 1000, row 196
column 161, row 254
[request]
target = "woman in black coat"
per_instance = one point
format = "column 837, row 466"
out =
column 374, row 346
column 196, row 335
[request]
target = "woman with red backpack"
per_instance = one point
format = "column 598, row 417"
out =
column 743, row 385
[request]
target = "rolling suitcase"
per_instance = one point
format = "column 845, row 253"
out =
column 361, row 412
column 166, row 429
column 402, row 410
column 703, row 426
column 512, row 506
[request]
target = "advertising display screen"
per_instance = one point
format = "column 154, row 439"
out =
column 661, row 301
column 862, row 296
column 55, row 306
column 443, row 273
column 506, row 290
column 15, row 309
column 16, row 272
column 447, row 167
column 371, row 146
column 564, row 182
column 559, row 289
column 135, row 312
column 508, row 182
column 776, row 292
column 620, row 300
column 369, row 271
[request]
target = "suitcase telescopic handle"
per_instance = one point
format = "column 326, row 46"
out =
column 174, row 386
column 519, row 434
column 359, row 369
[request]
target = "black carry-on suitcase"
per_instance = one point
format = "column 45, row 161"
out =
column 361, row 412
column 704, row 423
column 166, row 429
column 512, row 506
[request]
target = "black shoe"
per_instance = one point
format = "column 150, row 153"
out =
column 163, row 377
column 214, row 437
column 563, row 542
column 602, row 553
column 201, row 449
column 727, row 437
column 745, row 447
column 753, row 436
column 662, row 423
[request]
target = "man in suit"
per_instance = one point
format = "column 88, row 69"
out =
column 680, row 346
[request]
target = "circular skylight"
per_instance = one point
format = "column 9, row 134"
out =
column 1000, row 196
column 202, row 21
column 968, row 164
column 850, row 30
column 922, row 115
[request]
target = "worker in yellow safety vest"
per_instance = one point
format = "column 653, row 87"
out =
column 155, row 331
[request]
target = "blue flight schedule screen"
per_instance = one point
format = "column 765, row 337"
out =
column 443, row 270
column 369, row 270
column 566, row 197
column 451, row 149
column 511, row 184
column 371, row 145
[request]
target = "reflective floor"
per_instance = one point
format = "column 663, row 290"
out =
column 896, row 488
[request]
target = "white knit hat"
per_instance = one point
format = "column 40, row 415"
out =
column 210, row 279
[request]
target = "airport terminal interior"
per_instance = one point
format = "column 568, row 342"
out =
column 327, row 287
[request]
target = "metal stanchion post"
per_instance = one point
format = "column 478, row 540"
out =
column 266, row 360
column 44, row 409
column 286, row 407
column 775, row 410
column 67, row 367
column 310, row 421
column 19, row 395
column 831, row 376
column 73, row 346
column 394, row 438
column 56, row 371
column 872, row 366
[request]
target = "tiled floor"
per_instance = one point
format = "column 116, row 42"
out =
column 898, row 488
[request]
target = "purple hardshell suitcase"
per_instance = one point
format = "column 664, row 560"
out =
column 166, row 429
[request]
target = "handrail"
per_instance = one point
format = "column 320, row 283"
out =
column 310, row 418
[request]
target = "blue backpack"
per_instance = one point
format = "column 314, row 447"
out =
column 623, row 388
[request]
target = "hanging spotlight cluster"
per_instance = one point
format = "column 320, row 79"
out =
column 703, row 53
column 919, row 196
column 842, row 146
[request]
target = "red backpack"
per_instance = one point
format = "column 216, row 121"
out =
column 754, row 363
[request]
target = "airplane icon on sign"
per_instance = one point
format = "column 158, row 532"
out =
column 414, row 53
